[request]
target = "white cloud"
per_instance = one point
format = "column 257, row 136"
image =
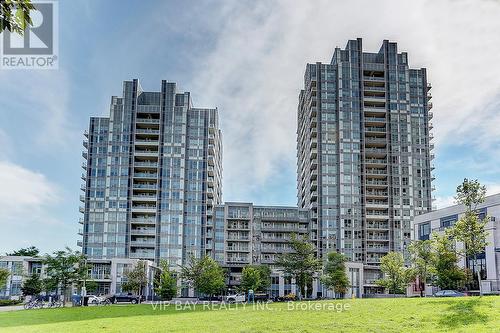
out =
column 24, row 193
column 443, row 202
column 28, row 203
column 492, row 188
column 256, row 69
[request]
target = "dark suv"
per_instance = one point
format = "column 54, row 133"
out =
column 126, row 297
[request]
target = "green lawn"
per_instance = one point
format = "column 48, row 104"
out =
column 360, row 315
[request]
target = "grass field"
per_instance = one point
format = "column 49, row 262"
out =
column 360, row 315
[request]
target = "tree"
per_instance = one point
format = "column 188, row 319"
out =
column 165, row 282
column 256, row 278
column 205, row 275
column 396, row 275
column 64, row 268
column 448, row 274
column 4, row 275
column 31, row 251
column 334, row 273
column 15, row 15
column 301, row 263
column 422, row 259
column 32, row 286
column 470, row 229
column 137, row 278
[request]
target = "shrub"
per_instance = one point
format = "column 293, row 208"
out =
column 7, row 302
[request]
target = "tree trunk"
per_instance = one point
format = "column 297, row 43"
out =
column 478, row 272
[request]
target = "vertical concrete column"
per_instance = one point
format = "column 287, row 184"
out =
column 281, row 289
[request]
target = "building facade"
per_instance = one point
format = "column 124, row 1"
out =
column 153, row 170
column 488, row 262
column 109, row 274
column 364, row 153
column 243, row 234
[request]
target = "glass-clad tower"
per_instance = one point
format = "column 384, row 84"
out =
column 364, row 152
column 153, row 173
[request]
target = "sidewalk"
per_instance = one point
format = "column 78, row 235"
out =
column 11, row 308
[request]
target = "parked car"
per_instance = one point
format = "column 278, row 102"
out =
column 235, row 298
column 126, row 297
column 93, row 299
column 448, row 293
column 213, row 298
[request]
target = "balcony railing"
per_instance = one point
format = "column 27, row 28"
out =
column 148, row 121
column 146, row 164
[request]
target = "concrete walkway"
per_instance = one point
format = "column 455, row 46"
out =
column 11, row 308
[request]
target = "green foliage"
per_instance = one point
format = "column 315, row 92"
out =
column 137, row 278
column 470, row 194
column 49, row 285
column 448, row 274
column 4, row 275
column 9, row 302
column 32, row 286
column 470, row 230
column 422, row 258
column 334, row 273
column 31, row 251
column 165, row 282
column 91, row 286
column 256, row 278
column 205, row 275
column 64, row 268
column 301, row 263
column 396, row 275
column 15, row 15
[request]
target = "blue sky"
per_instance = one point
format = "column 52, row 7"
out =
column 247, row 58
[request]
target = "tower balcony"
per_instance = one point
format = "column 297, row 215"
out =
column 313, row 154
column 372, row 183
column 143, row 208
column 375, row 162
column 146, row 164
column 144, row 132
column 370, row 120
column 142, row 254
column 143, row 243
column 376, row 130
column 375, row 142
column 145, row 152
column 146, row 175
column 147, row 121
column 149, row 197
column 374, row 78
column 375, row 152
column 146, row 142
column 314, row 164
column 374, row 110
column 376, row 194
